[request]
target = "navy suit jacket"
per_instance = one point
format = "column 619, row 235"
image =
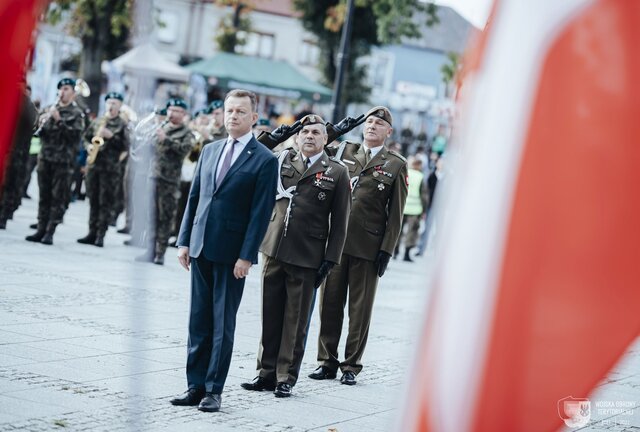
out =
column 228, row 221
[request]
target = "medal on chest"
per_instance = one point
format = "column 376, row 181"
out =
column 322, row 196
column 381, row 186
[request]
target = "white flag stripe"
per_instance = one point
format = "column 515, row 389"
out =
column 500, row 105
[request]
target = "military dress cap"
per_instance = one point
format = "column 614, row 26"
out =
column 380, row 112
column 177, row 102
column 214, row 105
column 311, row 119
column 161, row 111
column 67, row 81
column 114, row 95
column 263, row 122
column 200, row 112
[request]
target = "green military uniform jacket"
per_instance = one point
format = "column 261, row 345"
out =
column 378, row 198
column 108, row 158
column 319, row 213
column 170, row 153
column 61, row 139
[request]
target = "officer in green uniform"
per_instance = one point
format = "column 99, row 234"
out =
column 174, row 141
column 303, row 242
column 104, row 174
column 379, row 181
column 17, row 171
column 60, row 135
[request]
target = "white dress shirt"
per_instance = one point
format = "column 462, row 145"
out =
column 239, row 148
column 312, row 159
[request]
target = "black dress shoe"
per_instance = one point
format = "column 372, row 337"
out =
column 258, row 384
column 348, row 378
column 322, row 373
column 33, row 226
column 99, row 241
column 210, row 402
column 282, row 390
column 191, row 397
column 124, row 230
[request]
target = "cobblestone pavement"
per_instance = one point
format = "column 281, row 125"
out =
column 91, row 340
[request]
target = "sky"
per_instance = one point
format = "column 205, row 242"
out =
column 476, row 11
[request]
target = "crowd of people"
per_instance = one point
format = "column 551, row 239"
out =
column 323, row 213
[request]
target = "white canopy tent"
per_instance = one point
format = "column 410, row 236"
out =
column 148, row 61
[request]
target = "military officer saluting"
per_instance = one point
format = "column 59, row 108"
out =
column 107, row 137
column 60, row 131
column 379, row 180
column 174, row 140
column 304, row 241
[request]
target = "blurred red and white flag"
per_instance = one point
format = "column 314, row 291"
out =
column 537, row 289
column 17, row 20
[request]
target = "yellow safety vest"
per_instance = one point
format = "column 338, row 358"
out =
column 413, row 206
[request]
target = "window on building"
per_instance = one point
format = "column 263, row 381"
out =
column 258, row 45
column 309, row 53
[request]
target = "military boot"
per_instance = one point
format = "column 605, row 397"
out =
column 48, row 235
column 407, row 256
column 36, row 236
column 159, row 259
column 99, row 240
column 88, row 239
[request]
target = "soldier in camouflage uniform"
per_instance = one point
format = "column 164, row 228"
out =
column 379, row 180
column 60, row 135
column 17, row 170
column 174, row 141
column 104, row 175
column 218, row 131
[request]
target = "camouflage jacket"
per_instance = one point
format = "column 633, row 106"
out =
column 109, row 155
column 61, row 139
column 170, row 152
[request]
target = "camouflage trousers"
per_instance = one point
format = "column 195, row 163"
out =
column 102, row 186
column 54, row 184
column 165, row 209
column 14, row 183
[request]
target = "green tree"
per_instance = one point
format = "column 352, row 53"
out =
column 450, row 70
column 375, row 22
column 103, row 28
column 233, row 28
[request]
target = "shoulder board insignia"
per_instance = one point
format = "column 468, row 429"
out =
column 336, row 160
column 398, row 155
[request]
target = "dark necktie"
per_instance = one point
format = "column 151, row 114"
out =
column 307, row 163
column 226, row 163
column 367, row 156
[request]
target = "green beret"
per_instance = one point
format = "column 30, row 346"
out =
column 114, row 95
column 67, row 81
column 311, row 119
column 176, row 102
column 380, row 112
column 161, row 111
column 215, row 105
column 200, row 112
column 263, row 122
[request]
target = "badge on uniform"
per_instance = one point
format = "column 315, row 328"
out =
column 317, row 183
column 322, row 196
column 381, row 187
column 328, row 170
column 376, row 173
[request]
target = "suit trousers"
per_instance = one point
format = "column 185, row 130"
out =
column 359, row 278
column 215, row 298
column 287, row 297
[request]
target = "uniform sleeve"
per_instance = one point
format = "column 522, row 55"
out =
column 341, row 207
column 396, row 209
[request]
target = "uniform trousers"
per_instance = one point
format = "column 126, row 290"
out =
column 287, row 298
column 215, row 298
column 359, row 278
column 54, row 184
column 102, row 185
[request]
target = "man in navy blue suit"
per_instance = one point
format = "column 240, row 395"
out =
column 226, row 218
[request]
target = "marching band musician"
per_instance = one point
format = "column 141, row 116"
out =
column 216, row 110
column 104, row 174
column 173, row 142
column 60, row 132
